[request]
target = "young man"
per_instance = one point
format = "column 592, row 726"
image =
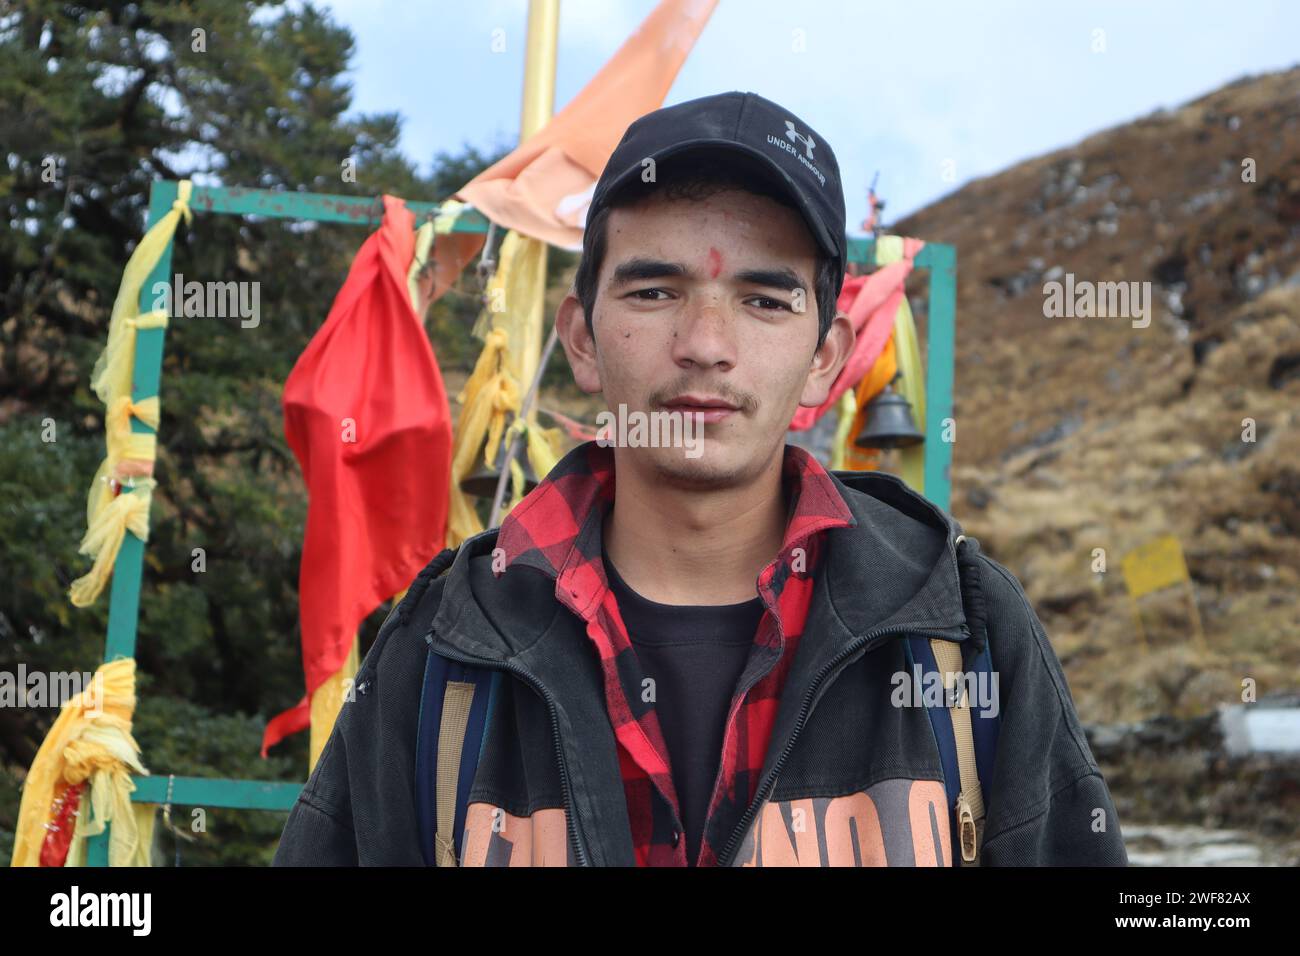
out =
column 700, row 647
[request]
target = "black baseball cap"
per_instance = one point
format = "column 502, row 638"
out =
column 784, row 145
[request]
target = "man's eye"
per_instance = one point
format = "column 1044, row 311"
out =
column 642, row 292
column 771, row 302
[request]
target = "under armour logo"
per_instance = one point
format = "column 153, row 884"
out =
column 800, row 137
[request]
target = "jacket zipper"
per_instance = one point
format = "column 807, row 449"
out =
column 570, row 808
column 865, row 644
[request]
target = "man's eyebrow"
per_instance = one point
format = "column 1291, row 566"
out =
column 786, row 278
column 634, row 270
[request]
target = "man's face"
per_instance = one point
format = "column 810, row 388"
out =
column 708, row 299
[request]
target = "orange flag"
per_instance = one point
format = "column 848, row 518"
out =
column 544, row 187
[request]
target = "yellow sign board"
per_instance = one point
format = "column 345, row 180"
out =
column 1154, row 566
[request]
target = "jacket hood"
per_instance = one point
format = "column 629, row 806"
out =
column 891, row 561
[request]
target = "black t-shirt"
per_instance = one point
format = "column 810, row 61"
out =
column 695, row 655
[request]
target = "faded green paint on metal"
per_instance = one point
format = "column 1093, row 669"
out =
column 862, row 251
column 124, row 596
column 941, row 331
column 217, row 792
column 317, row 207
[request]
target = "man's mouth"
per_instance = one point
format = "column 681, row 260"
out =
column 709, row 409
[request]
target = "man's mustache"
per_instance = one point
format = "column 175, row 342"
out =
column 745, row 403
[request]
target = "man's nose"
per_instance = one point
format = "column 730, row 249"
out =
column 706, row 333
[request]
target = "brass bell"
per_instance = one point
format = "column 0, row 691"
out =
column 482, row 482
column 889, row 421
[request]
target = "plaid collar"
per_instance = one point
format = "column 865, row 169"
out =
column 557, row 529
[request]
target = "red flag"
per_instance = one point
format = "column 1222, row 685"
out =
column 366, row 414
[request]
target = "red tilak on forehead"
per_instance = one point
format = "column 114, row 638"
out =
column 715, row 262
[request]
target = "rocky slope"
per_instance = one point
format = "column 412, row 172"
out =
column 1075, row 434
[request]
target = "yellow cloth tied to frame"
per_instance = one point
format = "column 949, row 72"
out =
column 130, row 455
column 516, row 296
column 128, row 511
column 489, row 395
column 511, row 328
column 112, row 374
column 90, row 740
column 124, row 445
column 541, row 445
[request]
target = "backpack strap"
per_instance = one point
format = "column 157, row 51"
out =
column 455, row 703
column 970, row 799
column 967, row 744
column 457, row 699
column 455, row 706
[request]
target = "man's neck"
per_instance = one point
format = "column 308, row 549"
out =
column 681, row 546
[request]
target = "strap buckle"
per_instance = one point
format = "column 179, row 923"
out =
column 966, row 829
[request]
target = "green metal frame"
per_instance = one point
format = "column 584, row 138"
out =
column 124, row 598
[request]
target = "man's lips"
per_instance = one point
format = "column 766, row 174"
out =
column 709, row 409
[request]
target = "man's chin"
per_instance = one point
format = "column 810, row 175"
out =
column 707, row 465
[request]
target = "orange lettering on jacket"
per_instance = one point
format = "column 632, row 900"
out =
column 494, row 837
column 895, row 822
column 891, row 823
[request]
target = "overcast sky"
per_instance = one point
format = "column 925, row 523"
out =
column 931, row 94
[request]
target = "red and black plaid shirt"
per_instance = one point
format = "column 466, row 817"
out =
column 558, row 529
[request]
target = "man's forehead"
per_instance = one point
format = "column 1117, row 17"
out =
column 740, row 219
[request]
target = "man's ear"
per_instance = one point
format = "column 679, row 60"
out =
column 579, row 346
column 828, row 360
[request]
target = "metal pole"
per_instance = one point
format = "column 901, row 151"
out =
column 536, row 110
